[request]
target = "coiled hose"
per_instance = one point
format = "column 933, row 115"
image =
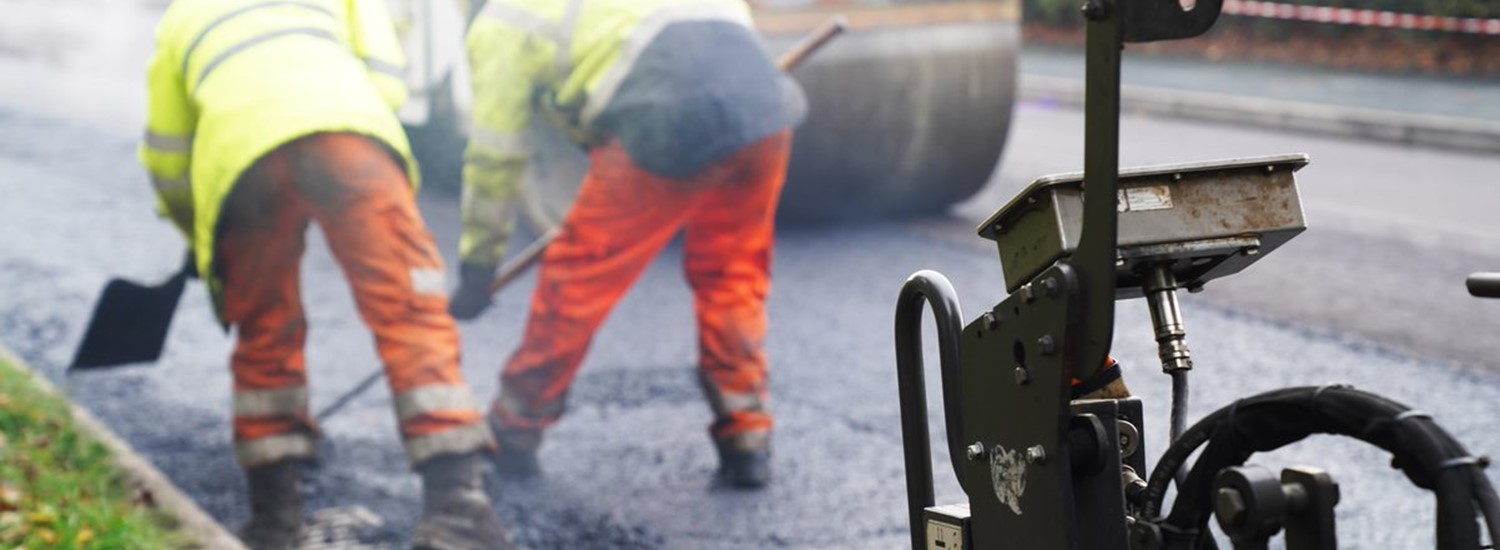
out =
column 1427, row 454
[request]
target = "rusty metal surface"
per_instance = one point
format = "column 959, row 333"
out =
column 1209, row 219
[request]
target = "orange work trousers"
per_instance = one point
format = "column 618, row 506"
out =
column 621, row 220
column 361, row 198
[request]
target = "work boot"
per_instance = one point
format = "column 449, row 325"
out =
column 275, row 506
column 456, row 512
column 745, row 461
column 517, row 455
column 516, row 463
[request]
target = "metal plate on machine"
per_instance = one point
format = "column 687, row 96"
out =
column 1014, row 382
column 1207, row 219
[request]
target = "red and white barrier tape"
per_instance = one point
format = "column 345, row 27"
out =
column 1363, row 18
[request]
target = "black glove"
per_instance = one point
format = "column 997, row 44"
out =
column 473, row 294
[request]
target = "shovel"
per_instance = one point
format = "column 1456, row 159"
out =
column 130, row 321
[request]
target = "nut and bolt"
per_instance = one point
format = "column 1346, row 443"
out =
column 1230, row 506
column 975, row 451
column 1050, row 287
column 1036, row 455
column 1046, row 344
column 1026, row 293
column 1023, row 376
column 1093, row 10
column 989, row 321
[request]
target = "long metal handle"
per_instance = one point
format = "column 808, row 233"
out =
column 929, row 287
column 523, row 261
column 812, row 42
column 1485, row 285
column 1094, row 260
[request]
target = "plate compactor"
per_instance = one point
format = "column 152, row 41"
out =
column 1043, row 471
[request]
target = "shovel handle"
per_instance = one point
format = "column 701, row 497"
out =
column 523, row 261
column 814, row 40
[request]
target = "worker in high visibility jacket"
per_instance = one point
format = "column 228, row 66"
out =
column 263, row 117
column 688, row 125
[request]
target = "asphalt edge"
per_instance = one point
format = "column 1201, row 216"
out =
column 167, row 497
column 1435, row 131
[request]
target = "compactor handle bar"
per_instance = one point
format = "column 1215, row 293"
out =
column 1485, row 285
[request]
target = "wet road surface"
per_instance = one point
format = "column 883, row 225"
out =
column 1371, row 295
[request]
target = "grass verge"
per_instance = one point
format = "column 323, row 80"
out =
column 59, row 488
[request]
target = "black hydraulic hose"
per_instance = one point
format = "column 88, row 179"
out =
column 932, row 288
column 1489, row 504
column 1427, row 454
column 1180, row 399
column 1179, row 402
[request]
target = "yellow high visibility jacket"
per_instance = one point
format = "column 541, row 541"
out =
column 232, row 80
column 668, row 79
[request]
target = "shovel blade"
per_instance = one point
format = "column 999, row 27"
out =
column 129, row 324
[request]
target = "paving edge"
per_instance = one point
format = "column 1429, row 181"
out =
column 191, row 520
column 1437, row 131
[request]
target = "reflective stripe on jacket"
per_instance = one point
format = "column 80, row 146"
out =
column 678, row 99
column 232, row 80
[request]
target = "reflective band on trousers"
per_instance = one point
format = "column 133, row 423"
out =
column 277, row 402
column 276, row 448
column 747, row 442
column 644, row 33
column 724, row 403
column 188, row 57
column 429, row 281
column 251, row 42
column 171, row 185
column 463, row 439
column 428, row 399
column 507, row 404
column 515, row 144
column 169, row 144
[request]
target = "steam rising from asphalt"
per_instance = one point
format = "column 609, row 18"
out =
column 79, row 59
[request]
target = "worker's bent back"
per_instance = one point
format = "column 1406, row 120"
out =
column 234, row 79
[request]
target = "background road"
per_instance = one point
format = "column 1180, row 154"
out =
column 1372, row 294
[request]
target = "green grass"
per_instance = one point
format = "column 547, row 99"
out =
column 58, row 488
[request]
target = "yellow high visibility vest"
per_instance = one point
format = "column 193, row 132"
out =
column 232, row 80
column 562, row 57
